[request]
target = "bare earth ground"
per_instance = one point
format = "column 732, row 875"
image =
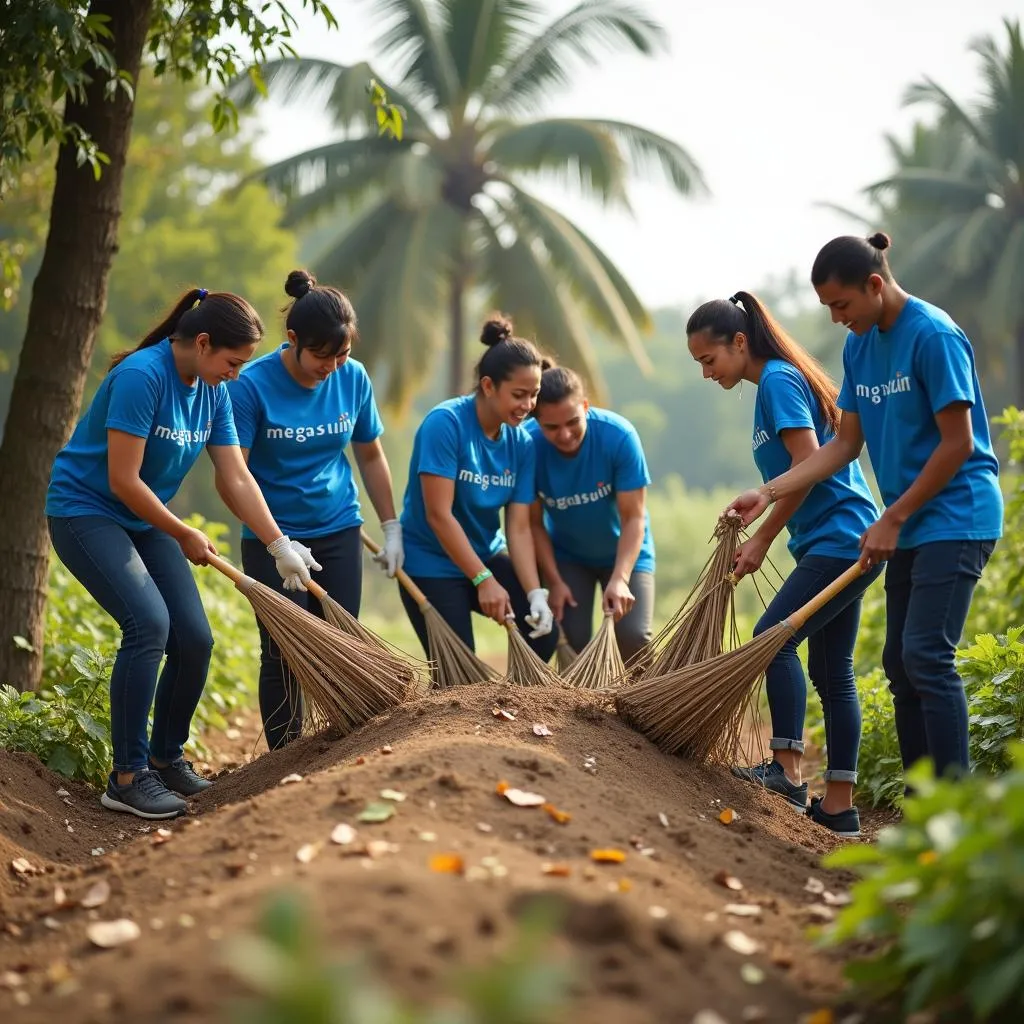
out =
column 446, row 753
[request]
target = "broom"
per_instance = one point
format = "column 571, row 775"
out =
column 599, row 664
column 454, row 664
column 344, row 681
column 525, row 667
column 341, row 618
column 564, row 653
column 697, row 710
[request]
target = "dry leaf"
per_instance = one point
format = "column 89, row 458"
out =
column 728, row 816
column 60, row 896
column 447, row 864
column 752, row 974
column 663, row 818
column 428, row 837
column 376, row 813
column 815, row 885
column 624, row 885
column 727, row 881
column 161, row 836
column 343, row 835
column 108, row 934
column 10, row 980
column 289, row 779
column 98, row 894
column 608, row 856
column 392, row 794
column 379, row 847
column 386, row 749
column 658, row 913
column 360, row 760
column 62, row 792
column 838, row 899
column 502, row 713
column 306, row 853
column 781, row 957
column 562, row 817
column 556, row 870
column 821, row 912
column 21, row 866
column 742, row 909
column 741, row 943
column 501, row 788
column 522, row 798
column 482, row 826
column 540, row 729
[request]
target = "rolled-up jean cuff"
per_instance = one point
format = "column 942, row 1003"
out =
column 839, row 775
column 778, row 743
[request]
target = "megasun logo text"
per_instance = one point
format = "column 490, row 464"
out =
column 760, row 438
column 182, row 437
column 571, row 500
column 342, row 425
column 879, row 391
column 485, row 480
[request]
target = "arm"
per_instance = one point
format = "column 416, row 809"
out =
column 519, row 534
column 618, row 598
column 376, row 474
column 559, row 594
column 240, row 492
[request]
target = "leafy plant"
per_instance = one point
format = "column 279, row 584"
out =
column 993, row 673
column 942, row 894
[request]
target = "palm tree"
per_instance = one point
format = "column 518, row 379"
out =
column 444, row 210
column 958, row 193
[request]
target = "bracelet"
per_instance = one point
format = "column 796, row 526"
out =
column 484, row 574
column 771, row 493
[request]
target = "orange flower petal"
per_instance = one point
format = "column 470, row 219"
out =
column 607, row 856
column 447, row 863
column 728, row 816
column 562, row 817
column 556, row 870
column 501, row 788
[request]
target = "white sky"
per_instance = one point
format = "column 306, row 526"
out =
column 784, row 103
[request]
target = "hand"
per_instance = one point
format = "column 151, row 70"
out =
column 618, row 598
column 306, row 555
column 878, row 542
column 391, row 556
column 540, row 616
column 293, row 562
column 750, row 504
column 559, row 596
column 494, row 600
column 196, row 546
column 749, row 556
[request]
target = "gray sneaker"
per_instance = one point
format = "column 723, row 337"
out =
column 772, row 776
column 146, row 796
column 180, row 777
column 843, row 823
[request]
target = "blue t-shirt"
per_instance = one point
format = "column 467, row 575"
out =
column 837, row 511
column 578, row 492
column 488, row 476
column 144, row 396
column 296, row 438
column 896, row 381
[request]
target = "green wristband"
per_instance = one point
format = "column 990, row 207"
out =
column 484, row 574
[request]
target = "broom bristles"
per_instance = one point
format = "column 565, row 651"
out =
column 454, row 663
column 525, row 667
column 599, row 665
column 565, row 655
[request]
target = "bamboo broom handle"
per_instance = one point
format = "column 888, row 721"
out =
column 402, row 576
column 236, row 576
column 799, row 618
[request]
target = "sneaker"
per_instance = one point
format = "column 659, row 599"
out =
column 146, row 795
column 770, row 774
column 180, row 777
column 843, row 823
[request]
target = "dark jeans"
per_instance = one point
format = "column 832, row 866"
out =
column 456, row 599
column 340, row 554
column 831, row 634
column 143, row 580
column 632, row 631
column 928, row 593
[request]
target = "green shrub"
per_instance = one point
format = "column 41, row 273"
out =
column 993, row 673
column 942, row 900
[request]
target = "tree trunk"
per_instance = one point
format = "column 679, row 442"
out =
column 457, row 353
column 68, row 298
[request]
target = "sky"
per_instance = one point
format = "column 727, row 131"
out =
column 783, row 103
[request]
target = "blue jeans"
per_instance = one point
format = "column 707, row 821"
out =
column 142, row 579
column 831, row 634
column 928, row 593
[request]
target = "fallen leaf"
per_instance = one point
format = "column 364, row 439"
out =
column 728, row 816
column 608, row 856
column 21, row 866
column 392, row 794
column 108, row 934
column 186, row 921
column 815, row 885
column 624, row 885
column 742, row 909
column 501, row 788
column 752, row 974
column 52, row 923
column 60, row 896
column 658, row 913
column 376, row 848
column 820, row 912
column 781, row 957
column 562, row 817
column 540, row 729
column 289, row 779
column 306, row 853
column 360, row 760
column 728, row 881
column 482, row 826
column 98, row 894
column 741, row 943
column 376, row 813
column 343, row 834
column 502, row 713
column 556, row 870
column 10, row 980
column 63, row 792
column 428, row 837
column 522, row 798
column 447, row 864
column 663, row 818
column 838, row 899
column 161, row 836
column 232, row 734
column 386, row 749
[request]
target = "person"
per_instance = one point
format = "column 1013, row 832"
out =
column 296, row 410
column 589, row 519
column 795, row 413
column 154, row 412
column 472, row 457
column 910, row 390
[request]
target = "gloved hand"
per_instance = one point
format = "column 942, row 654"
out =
column 540, row 617
column 293, row 561
column 391, row 556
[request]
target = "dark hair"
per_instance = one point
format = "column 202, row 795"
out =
column 558, row 383
column 851, row 260
column 723, row 319
column 505, row 353
column 228, row 319
column 321, row 316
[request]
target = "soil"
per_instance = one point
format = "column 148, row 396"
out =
column 646, row 937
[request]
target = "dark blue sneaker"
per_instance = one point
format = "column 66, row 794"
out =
column 772, row 776
column 843, row 823
column 180, row 777
column 146, row 795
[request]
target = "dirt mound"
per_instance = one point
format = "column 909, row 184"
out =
column 649, row 936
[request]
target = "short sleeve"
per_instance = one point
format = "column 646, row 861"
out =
column 785, row 401
column 134, row 400
column 945, row 365
column 222, row 431
column 439, row 444
column 525, row 489
column 368, row 426
column 847, row 400
column 630, row 465
column 246, row 416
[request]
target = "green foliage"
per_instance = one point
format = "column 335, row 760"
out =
column 284, row 962
column 942, row 899
column 993, row 673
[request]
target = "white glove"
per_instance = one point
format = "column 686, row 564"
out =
column 391, row 556
column 293, row 561
column 540, row 617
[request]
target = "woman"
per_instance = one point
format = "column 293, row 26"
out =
column 296, row 410
column 590, row 522
column 794, row 414
column 910, row 389
column 156, row 410
column 471, row 458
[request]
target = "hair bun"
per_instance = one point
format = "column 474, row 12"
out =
column 495, row 331
column 299, row 282
column 880, row 241
column 547, row 364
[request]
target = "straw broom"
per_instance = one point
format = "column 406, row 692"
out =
column 345, row 682
column 702, row 715
column 454, row 664
column 525, row 667
column 599, row 664
column 564, row 653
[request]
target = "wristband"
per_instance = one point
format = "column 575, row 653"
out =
column 771, row 493
column 484, row 574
